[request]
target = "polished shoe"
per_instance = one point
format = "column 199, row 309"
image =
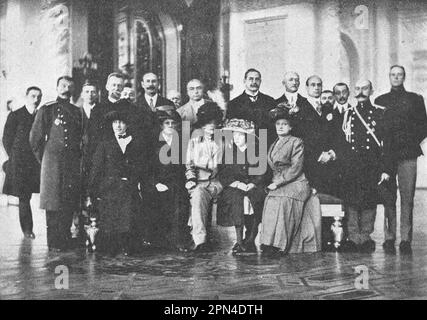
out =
column 269, row 251
column 389, row 247
column 405, row 247
column 29, row 235
column 250, row 247
column 349, row 246
column 238, row 248
column 201, row 248
column 367, row 246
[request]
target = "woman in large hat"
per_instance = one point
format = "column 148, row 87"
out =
column 167, row 195
column 117, row 168
column 287, row 191
column 204, row 153
column 241, row 202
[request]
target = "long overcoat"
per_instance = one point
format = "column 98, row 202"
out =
column 22, row 169
column 55, row 139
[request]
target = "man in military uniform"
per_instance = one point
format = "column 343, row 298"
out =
column 55, row 139
column 363, row 167
column 405, row 129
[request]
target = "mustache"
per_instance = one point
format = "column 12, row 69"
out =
column 151, row 87
column 361, row 95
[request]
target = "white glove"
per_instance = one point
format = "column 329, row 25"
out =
column 161, row 187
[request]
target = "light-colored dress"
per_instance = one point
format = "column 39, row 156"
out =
column 282, row 218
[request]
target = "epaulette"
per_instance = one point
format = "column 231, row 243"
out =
column 50, row 103
column 378, row 107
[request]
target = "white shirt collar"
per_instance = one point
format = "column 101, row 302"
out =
column 30, row 111
column 123, row 142
column 250, row 94
column 148, row 99
column 341, row 107
column 242, row 148
column 290, row 95
column 88, row 109
column 167, row 138
column 314, row 102
column 112, row 100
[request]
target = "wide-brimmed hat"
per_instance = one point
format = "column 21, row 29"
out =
column 239, row 125
column 117, row 115
column 209, row 112
column 167, row 112
column 280, row 112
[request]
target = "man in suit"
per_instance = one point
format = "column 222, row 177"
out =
column 93, row 120
column 152, row 98
column 405, row 129
column 252, row 104
column 291, row 81
column 313, row 125
column 55, row 139
column 23, row 169
column 195, row 91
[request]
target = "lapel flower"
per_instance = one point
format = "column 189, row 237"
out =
column 329, row 117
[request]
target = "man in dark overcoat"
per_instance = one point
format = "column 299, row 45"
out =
column 56, row 141
column 22, row 169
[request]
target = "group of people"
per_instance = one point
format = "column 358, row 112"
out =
column 151, row 187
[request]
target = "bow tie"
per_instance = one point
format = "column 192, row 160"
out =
column 123, row 136
column 253, row 98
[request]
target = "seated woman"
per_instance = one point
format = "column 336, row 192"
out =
column 113, row 182
column 284, row 205
column 204, row 154
column 241, row 202
column 169, row 201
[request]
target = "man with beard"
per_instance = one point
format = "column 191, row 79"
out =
column 327, row 101
column 363, row 167
column 23, row 169
column 55, row 139
column 253, row 105
column 405, row 130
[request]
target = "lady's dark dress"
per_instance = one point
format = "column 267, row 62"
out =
column 169, row 210
column 113, row 181
column 230, row 210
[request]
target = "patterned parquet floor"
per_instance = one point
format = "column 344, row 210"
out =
column 27, row 270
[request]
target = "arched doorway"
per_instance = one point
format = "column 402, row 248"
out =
column 148, row 40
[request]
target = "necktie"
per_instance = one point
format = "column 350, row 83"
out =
column 253, row 98
column 151, row 103
column 318, row 107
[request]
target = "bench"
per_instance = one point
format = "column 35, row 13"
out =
column 332, row 207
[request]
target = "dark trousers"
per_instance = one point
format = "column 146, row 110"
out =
column 407, row 179
column 58, row 228
column 360, row 223
column 251, row 225
column 25, row 214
